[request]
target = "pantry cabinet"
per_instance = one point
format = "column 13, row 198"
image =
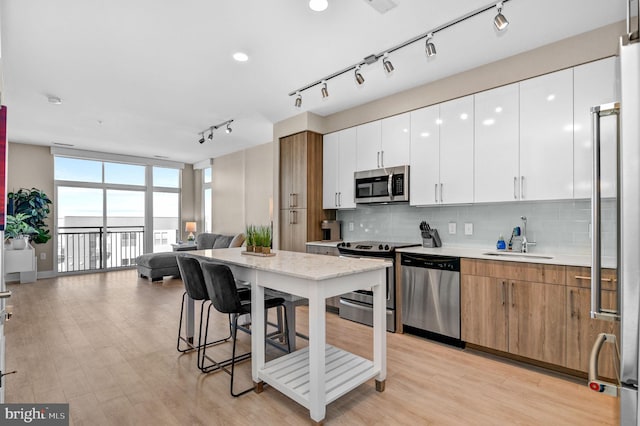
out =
column 497, row 143
column 514, row 307
column 300, row 190
column 595, row 83
column 582, row 330
column 339, row 154
column 383, row 143
column 546, row 137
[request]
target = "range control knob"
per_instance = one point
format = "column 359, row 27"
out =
column 380, row 247
column 348, row 244
column 386, row 246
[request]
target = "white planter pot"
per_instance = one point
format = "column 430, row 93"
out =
column 19, row 243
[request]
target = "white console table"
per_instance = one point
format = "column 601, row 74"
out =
column 23, row 261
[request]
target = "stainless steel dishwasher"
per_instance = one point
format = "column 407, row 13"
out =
column 431, row 296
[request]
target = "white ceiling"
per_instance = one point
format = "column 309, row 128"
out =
column 144, row 77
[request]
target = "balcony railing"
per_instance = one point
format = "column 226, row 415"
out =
column 86, row 248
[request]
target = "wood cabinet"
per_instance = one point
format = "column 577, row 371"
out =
column 546, row 137
column 595, row 83
column 582, row 330
column 514, row 307
column 339, row 164
column 496, row 149
column 301, row 190
column 383, row 143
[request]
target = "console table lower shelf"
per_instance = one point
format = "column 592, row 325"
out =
column 344, row 371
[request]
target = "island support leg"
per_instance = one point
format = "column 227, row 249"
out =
column 317, row 327
column 380, row 331
column 257, row 331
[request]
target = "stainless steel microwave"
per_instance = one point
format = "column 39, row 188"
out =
column 388, row 185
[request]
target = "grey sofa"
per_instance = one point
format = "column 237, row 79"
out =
column 156, row 266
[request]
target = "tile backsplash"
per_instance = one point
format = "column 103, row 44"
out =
column 560, row 227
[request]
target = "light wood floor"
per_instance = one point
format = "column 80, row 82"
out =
column 105, row 343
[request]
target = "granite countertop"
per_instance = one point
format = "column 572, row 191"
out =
column 480, row 253
column 301, row 265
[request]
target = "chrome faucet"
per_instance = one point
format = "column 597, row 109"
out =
column 524, row 248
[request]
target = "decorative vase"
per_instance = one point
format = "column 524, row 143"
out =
column 258, row 249
column 250, row 249
column 266, row 250
column 18, row 243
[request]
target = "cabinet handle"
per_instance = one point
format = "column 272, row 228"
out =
column 295, row 217
column 513, row 297
column 436, row 192
column 290, row 217
column 504, row 292
column 295, row 199
column 381, row 158
column 515, row 184
column 335, row 199
column 605, row 280
column 378, row 159
column 290, row 198
column 522, row 187
column 441, row 191
column 340, row 199
column 571, row 303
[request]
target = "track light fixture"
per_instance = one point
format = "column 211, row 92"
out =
column 358, row 76
column 228, row 129
column 429, row 47
column 500, row 21
column 211, row 129
column 324, row 91
column 386, row 63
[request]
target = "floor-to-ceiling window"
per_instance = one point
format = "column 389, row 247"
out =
column 110, row 212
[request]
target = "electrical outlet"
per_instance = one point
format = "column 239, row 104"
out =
column 452, row 228
column 350, row 226
column 468, row 229
column 43, row 256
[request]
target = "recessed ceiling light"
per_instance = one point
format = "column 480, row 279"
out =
column 318, row 5
column 240, row 57
column 54, row 100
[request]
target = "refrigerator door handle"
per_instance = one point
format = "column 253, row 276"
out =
column 611, row 389
column 596, row 255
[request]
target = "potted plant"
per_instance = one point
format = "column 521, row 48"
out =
column 18, row 230
column 266, row 239
column 250, row 238
column 33, row 203
column 258, row 238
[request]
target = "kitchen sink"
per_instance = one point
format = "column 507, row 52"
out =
column 517, row 255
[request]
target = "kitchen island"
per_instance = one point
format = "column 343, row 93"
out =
column 318, row 374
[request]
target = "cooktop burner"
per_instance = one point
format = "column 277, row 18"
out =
column 371, row 246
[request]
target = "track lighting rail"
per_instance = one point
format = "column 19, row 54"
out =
column 211, row 129
column 375, row 57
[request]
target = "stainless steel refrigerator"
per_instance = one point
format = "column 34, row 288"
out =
column 628, row 258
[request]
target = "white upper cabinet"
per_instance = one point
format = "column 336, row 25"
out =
column 346, row 168
column 368, row 146
column 496, row 166
column 394, row 147
column 330, row 144
column 384, row 143
column 456, row 151
column 339, row 162
column 546, row 137
column 424, row 168
column 595, row 83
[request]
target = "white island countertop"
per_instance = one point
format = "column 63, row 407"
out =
column 300, row 265
column 480, row 253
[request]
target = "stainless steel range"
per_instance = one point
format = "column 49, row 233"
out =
column 358, row 305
